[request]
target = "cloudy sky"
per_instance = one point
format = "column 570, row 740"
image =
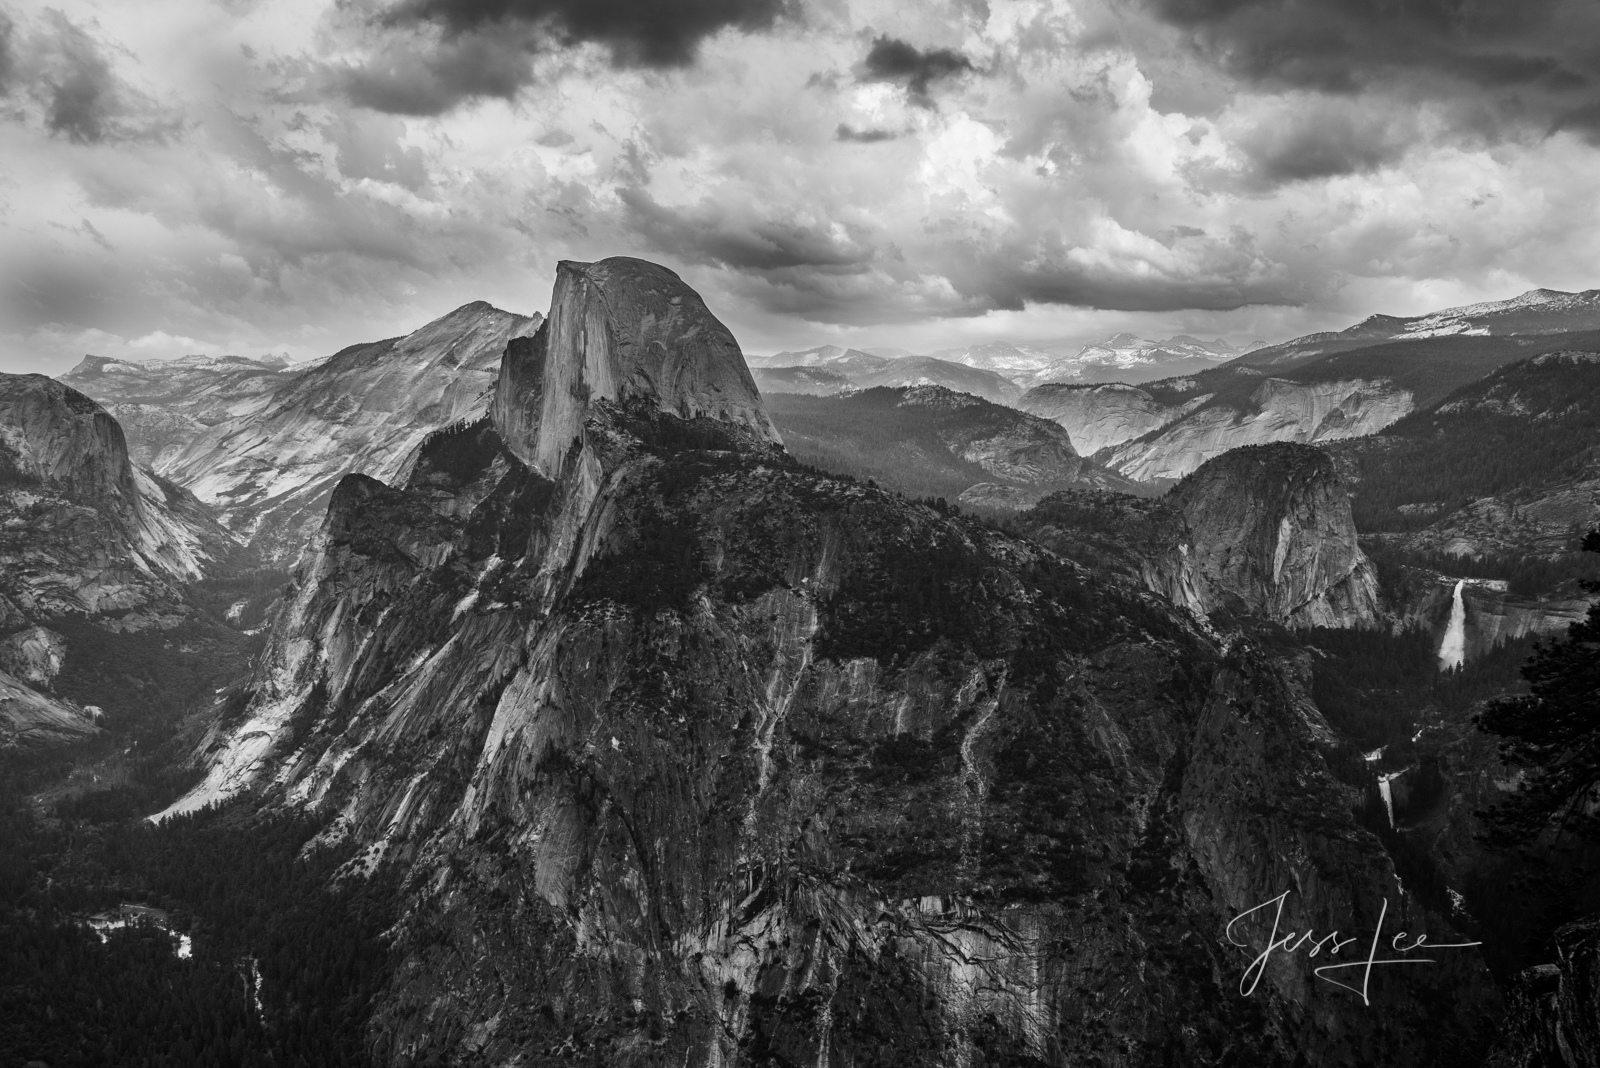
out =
column 292, row 176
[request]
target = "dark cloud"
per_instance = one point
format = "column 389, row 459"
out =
column 846, row 132
column 1523, row 62
column 8, row 62
column 642, row 33
column 83, row 94
column 894, row 60
column 413, row 76
column 72, row 88
column 815, row 272
column 1320, row 138
column 716, row 234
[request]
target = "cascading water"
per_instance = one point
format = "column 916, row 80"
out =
column 1388, row 793
column 1453, row 650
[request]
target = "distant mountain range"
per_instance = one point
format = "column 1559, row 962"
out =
column 853, row 368
column 998, row 370
column 1536, row 312
column 1323, row 387
column 264, row 441
column 164, row 404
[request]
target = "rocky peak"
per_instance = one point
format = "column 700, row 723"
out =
column 623, row 330
column 1270, row 533
column 1263, row 531
column 92, row 365
column 54, row 435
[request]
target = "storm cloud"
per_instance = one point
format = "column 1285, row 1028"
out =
column 647, row 33
column 8, row 61
column 268, row 176
column 413, row 75
column 68, row 83
column 1534, row 63
column 894, row 60
column 846, row 132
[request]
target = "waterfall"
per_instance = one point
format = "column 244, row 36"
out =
column 1388, row 794
column 1453, row 650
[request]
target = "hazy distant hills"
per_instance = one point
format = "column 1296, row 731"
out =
column 999, row 371
column 864, row 370
column 930, row 441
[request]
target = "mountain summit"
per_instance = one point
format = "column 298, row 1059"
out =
column 620, row 330
column 366, row 408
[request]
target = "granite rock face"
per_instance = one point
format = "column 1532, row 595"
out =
column 268, row 473
column 1276, row 411
column 620, row 330
column 85, row 531
column 1165, row 430
column 687, row 754
column 1104, row 416
column 33, row 655
column 33, row 720
column 163, row 405
column 82, row 533
column 1270, row 534
column 1262, row 531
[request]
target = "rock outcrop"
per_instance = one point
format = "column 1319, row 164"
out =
column 33, row 655
column 687, row 754
column 620, row 330
column 1270, row 534
column 1262, row 531
column 30, row 720
column 268, row 473
column 84, row 531
column 1553, row 1012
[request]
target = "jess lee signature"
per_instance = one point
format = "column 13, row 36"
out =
column 1293, row 941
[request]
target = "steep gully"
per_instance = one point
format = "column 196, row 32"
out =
column 687, row 754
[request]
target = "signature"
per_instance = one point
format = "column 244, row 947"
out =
column 1294, row 941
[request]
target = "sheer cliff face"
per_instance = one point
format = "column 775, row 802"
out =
column 1270, row 533
column 82, row 533
column 269, row 472
column 85, row 531
column 1263, row 531
column 690, row 755
column 621, row 330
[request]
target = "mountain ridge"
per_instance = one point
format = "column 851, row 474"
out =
column 367, row 407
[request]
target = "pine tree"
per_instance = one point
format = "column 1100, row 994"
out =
column 1554, row 733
